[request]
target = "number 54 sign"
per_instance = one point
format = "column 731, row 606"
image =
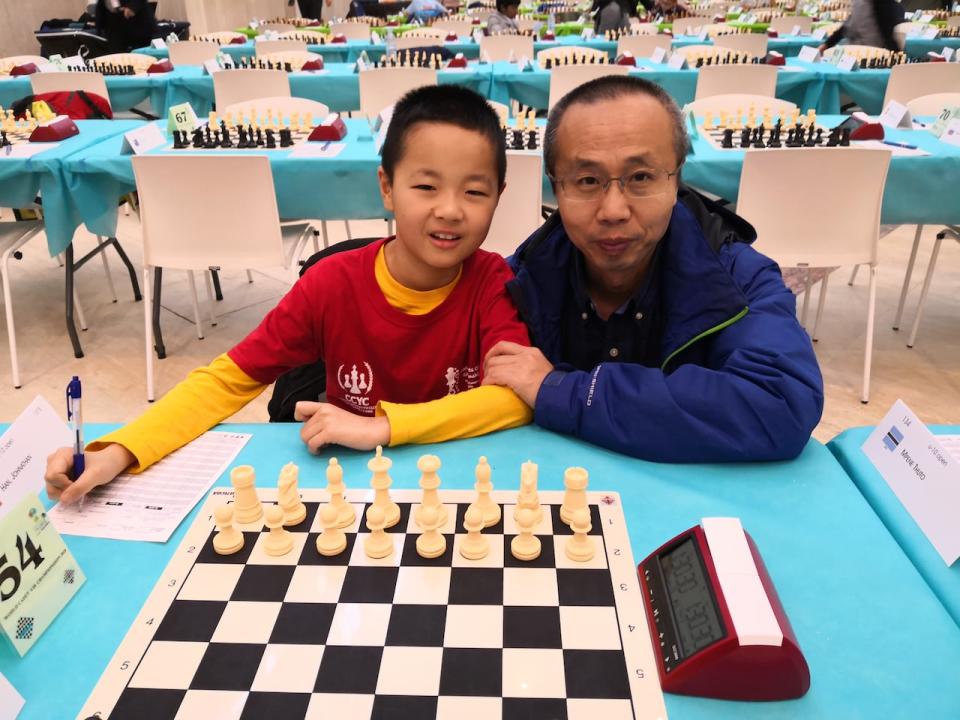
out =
column 38, row 575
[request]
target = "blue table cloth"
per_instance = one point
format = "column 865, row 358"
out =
column 532, row 87
column 858, row 606
column 22, row 179
column 918, row 47
column 337, row 85
column 126, row 91
column 943, row 580
column 864, row 87
column 919, row 190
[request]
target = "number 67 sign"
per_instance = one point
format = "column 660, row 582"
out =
column 38, row 575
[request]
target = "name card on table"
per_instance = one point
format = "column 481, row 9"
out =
column 809, row 54
column 819, row 34
column 946, row 115
column 211, row 66
column 930, row 33
column 587, row 34
column 10, row 699
column 796, row 30
column 74, row 62
column 158, row 43
column 677, row 62
column 951, row 133
column 947, row 53
column 702, row 35
column 658, row 55
column 142, row 140
column 921, row 473
column 38, row 575
column 896, row 115
column 848, row 63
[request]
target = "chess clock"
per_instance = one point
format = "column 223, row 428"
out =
column 717, row 626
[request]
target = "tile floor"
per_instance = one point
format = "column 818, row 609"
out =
column 926, row 377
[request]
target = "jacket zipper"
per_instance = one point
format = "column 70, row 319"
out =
column 705, row 333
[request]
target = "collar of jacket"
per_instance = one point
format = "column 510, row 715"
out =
column 699, row 295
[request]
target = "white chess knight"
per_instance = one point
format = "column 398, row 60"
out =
column 528, row 498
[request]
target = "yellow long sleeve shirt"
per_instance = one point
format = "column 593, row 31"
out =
column 211, row 394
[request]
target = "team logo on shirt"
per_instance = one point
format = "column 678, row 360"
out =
column 460, row 379
column 356, row 384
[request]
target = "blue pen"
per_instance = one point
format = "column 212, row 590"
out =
column 75, row 419
column 899, row 144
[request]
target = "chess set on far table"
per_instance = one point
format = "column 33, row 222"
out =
column 246, row 131
column 371, row 603
column 731, row 131
column 525, row 134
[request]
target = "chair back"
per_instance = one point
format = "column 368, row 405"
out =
column 192, row 52
column 411, row 42
column 382, row 87
column 566, row 78
column 730, row 102
column 265, row 47
column 726, row 79
column 518, row 213
column 933, row 104
column 233, row 86
column 351, row 30
column 283, row 107
column 189, row 217
column 526, row 24
column 463, row 28
column 278, row 27
column 90, row 82
column 642, row 45
column 786, row 23
column 953, row 21
column 849, row 184
column 639, row 28
column 499, row 47
column 918, row 79
column 681, row 26
column 753, row 43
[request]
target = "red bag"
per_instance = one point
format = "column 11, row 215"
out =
column 75, row 104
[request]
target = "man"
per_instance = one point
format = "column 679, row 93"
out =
column 871, row 22
column 659, row 331
column 424, row 10
column 126, row 24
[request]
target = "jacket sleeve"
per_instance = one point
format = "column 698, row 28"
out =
column 758, row 395
column 836, row 37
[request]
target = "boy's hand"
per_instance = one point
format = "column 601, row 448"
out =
column 327, row 424
column 520, row 368
column 102, row 466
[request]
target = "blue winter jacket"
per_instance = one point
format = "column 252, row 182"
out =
column 738, row 379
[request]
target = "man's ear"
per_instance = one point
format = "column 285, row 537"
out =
column 386, row 188
column 500, row 192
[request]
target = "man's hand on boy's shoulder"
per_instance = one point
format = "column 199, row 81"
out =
column 326, row 424
column 518, row 367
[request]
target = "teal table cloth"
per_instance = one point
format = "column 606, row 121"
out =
column 126, row 91
column 919, row 190
column 919, row 47
column 22, row 179
column 858, row 607
column 943, row 580
column 787, row 45
column 864, row 87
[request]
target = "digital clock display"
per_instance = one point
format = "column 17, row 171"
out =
column 691, row 598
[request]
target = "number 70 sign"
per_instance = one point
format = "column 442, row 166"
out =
column 38, row 575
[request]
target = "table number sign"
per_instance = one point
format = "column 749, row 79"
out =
column 38, row 575
column 182, row 118
column 946, row 116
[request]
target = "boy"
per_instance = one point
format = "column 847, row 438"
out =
column 402, row 324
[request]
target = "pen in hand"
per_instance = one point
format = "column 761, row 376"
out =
column 75, row 420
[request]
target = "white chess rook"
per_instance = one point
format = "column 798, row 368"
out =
column 346, row 515
column 575, row 481
column 247, row 507
column 380, row 465
column 288, row 494
column 429, row 483
column 228, row 540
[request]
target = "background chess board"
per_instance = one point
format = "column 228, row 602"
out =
column 715, row 137
column 20, row 135
column 299, row 137
column 253, row 636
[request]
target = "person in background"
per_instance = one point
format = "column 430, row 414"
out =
column 666, row 8
column 309, row 8
column 504, row 20
column 126, row 24
column 425, row 10
column 611, row 15
column 871, row 22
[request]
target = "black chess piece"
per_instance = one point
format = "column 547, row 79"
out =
column 727, row 141
column 819, row 138
column 4, row 140
column 242, row 142
column 791, row 138
column 758, row 138
column 811, row 138
column 834, row 138
column 259, row 137
column 225, row 139
column 774, row 141
column 845, row 138
column 286, row 138
column 198, row 138
column 271, row 140
column 532, row 140
column 745, row 138
column 288, row 67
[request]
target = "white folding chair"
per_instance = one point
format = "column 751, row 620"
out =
column 281, row 106
column 13, row 236
column 566, row 78
column 498, row 48
column 953, row 21
column 382, row 87
column 265, row 47
column 463, row 28
column 433, row 33
column 753, row 43
column 681, row 26
column 89, row 82
column 730, row 102
column 351, row 30
column 932, row 104
column 411, row 42
column 233, row 86
column 639, row 28
column 953, row 232
column 726, row 79
column 183, row 230
column 518, row 213
column 918, row 79
column 643, row 45
column 192, row 52
column 795, row 237
column 786, row 23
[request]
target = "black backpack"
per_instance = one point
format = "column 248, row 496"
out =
column 310, row 381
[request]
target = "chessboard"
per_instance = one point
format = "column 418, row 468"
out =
column 778, row 136
column 255, row 634
column 255, row 131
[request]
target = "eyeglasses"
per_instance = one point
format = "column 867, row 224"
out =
column 639, row 183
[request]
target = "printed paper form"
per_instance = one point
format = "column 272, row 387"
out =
column 950, row 443
column 151, row 505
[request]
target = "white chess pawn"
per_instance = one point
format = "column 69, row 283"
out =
column 429, row 482
column 247, row 507
column 380, row 465
column 278, row 541
column 378, row 543
column 431, row 543
column 228, row 540
column 474, row 545
column 288, row 496
column 575, row 481
column 346, row 515
column 490, row 509
column 580, row 546
column 525, row 546
column 332, row 541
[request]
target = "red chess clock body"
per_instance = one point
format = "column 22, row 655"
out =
column 459, row 61
column 333, row 128
column 25, row 69
column 719, row 666
column 163, row 66
column 60, row 128
column 772, row 33
column 315, row 64
column 238, row 41
column 776, row 59
column 338, row 39
column 627, row 59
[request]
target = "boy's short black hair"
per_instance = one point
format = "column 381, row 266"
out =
column 451, row 104
column 504, row 4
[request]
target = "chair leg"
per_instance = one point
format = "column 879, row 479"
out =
column 820, row 304
column 326, row 237
column 925, row 290
column 217, row 291
column 806, row 300
column 853, row 275
column 868, row 350
column 249, row 277
column 130, row 269
column 210, row 296
column 106, row 268
column 196, row 304
column 80, row 315
column 70, row 297
column 148, row 331
column 11, row 329
column 316, row 240
column 907, row 276
column 157, row 297
column 349, row 233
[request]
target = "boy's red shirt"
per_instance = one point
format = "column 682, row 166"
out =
column 373, row 352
